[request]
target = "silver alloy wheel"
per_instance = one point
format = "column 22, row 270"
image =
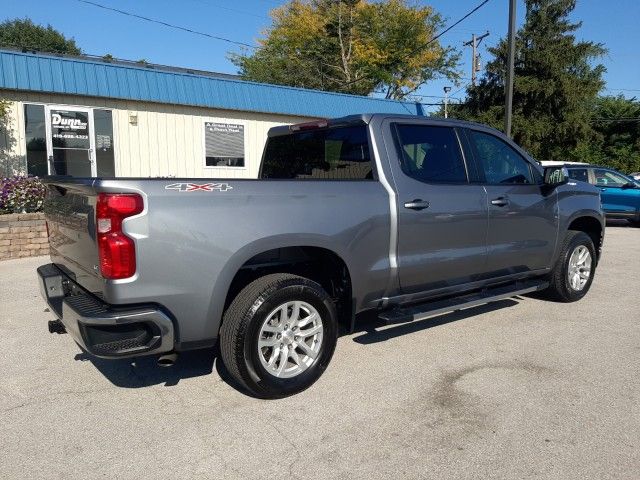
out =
column 290, row 339
column 579, row 267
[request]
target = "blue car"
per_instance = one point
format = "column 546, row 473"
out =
column 620, row 193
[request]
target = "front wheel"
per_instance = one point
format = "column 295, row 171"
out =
column 278, row 335
column 572, row 274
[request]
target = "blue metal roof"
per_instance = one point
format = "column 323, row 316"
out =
column 78, row 76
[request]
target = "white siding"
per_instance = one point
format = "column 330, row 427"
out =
column 168, row 140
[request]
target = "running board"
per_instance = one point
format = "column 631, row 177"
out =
column 437, row 307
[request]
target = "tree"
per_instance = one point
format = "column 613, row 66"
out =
column 4, row 110
column 555, row 83
column 350, row 46
column 616, row 121
column 25, row 34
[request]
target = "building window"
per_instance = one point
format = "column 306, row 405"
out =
column 35, row 134
column 105, row 160
column 224, row 144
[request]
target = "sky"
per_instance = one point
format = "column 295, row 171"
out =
column 98, row 32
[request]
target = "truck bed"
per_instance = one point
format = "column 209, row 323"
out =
column 194, row 235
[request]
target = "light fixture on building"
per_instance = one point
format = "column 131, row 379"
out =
column 133, row 118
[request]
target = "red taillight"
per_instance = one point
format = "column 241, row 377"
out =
column 117, row 251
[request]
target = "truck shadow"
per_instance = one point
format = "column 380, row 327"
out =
column 145, row 372
column 614, row 222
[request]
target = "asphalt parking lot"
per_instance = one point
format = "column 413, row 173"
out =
column 518, row 389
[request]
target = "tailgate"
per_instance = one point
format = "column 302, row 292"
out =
column 70, row 213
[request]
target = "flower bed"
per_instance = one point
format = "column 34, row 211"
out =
column 21, row 194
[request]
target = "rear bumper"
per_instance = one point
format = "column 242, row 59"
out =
column 104, row 330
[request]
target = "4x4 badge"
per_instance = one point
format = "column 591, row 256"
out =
column 195, row 187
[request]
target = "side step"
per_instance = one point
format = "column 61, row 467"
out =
column 437, row 307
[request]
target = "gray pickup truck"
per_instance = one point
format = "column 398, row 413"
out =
column 406, row 216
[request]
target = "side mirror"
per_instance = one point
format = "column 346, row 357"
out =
column 555, row 176
column 629, row 185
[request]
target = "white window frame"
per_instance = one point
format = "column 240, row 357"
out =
column 91, row 108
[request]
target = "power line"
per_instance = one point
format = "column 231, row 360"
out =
column 160, row 22
column 422, row 47
column 460, row 20
column 471, row 12
column 623, row 89
column 418, row 95
column 453, row 95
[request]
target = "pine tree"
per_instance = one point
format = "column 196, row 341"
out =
column 555, row 83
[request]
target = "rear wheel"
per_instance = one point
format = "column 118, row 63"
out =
column 572, row 275
column 278, row 335
column 635, row 223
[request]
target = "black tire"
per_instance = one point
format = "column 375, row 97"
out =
column 560, row 288
column 241, row 325
column 635, row 223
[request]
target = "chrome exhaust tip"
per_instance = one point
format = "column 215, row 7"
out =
column 167, row 360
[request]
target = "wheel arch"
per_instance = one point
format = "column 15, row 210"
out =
column 590, row 224
column 282, row 254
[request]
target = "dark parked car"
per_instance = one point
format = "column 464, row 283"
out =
column 620, row 193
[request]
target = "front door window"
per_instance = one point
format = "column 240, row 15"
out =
column 501, row 164
column 605, row 178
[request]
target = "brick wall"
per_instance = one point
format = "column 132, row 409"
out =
column 23, row 235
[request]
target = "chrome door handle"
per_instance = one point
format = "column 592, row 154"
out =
column 417, row 204
column 500, row 202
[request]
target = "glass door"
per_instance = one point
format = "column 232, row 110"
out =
column 70, row 141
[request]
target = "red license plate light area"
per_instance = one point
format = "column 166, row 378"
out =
column 117, row 251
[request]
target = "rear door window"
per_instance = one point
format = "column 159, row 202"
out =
column 340, row 153
column 431, row 154
column 580, row 174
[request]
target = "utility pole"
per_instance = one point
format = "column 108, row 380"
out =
column 446, row 101
column 508, row 103
column 475, row 58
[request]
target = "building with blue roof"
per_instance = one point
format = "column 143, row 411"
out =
column 90, row 117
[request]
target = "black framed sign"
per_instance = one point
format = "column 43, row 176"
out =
column 70, row 129
column 224, row 144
